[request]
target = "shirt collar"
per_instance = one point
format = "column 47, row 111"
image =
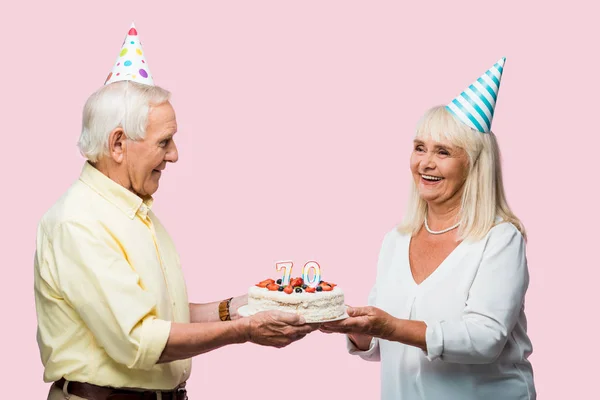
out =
column 127, row 201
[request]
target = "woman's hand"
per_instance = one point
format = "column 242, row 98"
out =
column 368, row 321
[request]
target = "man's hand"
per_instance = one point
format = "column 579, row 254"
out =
column 235, row 305
column 278, row 329
column 269, row 328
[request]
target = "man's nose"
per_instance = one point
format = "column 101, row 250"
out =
column 172, row 154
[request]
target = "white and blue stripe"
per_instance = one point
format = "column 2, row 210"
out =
column 475, row 106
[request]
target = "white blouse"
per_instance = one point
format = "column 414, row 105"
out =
column 473, row 305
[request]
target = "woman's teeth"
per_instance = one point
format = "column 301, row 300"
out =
column 431, row 178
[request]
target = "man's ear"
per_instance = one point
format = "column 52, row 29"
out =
column 116, row 145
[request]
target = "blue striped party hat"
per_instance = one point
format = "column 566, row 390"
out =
column 475, row 106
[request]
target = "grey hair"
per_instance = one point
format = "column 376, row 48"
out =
column 122, row 104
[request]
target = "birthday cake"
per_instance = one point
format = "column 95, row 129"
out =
column 322, row 302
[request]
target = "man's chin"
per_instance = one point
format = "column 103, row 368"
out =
column 151, row 190
column 148, row 190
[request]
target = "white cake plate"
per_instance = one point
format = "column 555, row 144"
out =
column 246, row 311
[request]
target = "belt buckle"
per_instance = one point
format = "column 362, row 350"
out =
column 181, row 393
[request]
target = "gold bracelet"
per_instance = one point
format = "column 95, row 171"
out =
column 224, row 310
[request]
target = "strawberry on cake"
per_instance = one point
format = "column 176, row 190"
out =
column 321, row 303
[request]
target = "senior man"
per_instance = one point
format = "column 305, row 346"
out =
column 114, row 321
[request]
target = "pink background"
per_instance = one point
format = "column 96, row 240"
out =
column 295, row 126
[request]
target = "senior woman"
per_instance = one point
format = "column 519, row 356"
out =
column 446, row 314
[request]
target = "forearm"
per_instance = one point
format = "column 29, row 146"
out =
column 406, row 331
column 209, row 312
column 188, row 340
column 466, row 342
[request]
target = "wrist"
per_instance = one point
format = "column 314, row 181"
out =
column 352, row 337
column 388, row 330
column 235, row 305
column 360, row 340
column 243, row 330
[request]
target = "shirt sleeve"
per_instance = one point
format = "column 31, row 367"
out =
column 105, row 290
column 384, row 261
column 493, row 305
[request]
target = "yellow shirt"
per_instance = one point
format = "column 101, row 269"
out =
column 108, row 283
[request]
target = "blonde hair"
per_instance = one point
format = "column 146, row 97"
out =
column 123, row 104
column 483, row 197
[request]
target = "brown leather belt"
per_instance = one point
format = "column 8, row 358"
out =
column 93, row 392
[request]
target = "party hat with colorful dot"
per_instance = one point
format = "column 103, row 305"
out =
column 475, row 106
column 131, row 63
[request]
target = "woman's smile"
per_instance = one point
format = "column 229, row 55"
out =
column 430, row 180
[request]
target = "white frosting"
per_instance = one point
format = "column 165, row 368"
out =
column 318, row 306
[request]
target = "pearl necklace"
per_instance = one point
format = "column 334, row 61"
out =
column 439, row 232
